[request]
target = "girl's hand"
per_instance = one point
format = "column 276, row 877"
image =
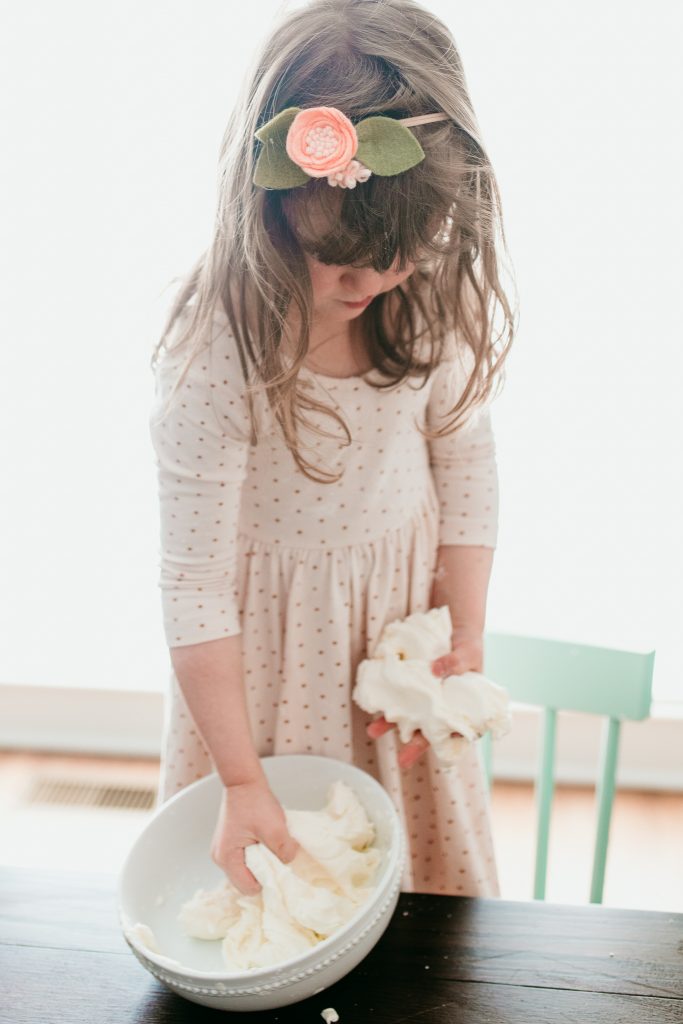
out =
column 466, row 655
column 249, row 813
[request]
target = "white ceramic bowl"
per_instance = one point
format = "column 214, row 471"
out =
column 170, row 860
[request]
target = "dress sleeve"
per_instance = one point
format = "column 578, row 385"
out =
column 463, row 462
column 201, row 441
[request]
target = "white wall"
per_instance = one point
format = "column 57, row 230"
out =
column 114, row 115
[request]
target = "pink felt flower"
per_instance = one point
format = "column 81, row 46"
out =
column 321, row 141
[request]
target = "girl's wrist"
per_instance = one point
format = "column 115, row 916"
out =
column 467, row 631
column 466, row 653
column 244, row 777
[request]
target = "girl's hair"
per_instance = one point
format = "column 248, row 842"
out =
column 390, row 57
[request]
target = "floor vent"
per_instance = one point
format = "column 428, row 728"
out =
column 76, row 792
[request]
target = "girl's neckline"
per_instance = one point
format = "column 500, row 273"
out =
column 329, row 376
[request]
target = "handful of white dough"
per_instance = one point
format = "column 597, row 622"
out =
column 300, row 903
column 398, row 682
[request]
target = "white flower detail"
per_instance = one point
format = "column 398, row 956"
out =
column 348, row 177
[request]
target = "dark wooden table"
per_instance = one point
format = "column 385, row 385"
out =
column 443, row 960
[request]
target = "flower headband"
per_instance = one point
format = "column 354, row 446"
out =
column 321, row 142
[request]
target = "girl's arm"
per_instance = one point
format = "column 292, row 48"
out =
column 202, row 459
column 461, row 581
column 466, row 480
column 211, row 678
column 202, row 444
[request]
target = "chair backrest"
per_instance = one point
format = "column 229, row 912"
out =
column 557, row 675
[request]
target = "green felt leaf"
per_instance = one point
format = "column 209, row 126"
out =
column 387, row 147
column 278, row 126
column 274, row 169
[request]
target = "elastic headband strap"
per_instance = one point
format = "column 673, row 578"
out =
column 423, row 119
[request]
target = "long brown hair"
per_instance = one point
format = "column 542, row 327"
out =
column 390, row 57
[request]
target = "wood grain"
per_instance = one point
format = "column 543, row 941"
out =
column 442, row 959
column 43, row 986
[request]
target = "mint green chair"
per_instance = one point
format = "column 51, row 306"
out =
column 560, row 676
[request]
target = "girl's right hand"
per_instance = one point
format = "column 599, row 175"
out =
column 249, row 813
column 410, row 752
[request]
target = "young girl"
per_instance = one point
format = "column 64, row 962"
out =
column 324, row 446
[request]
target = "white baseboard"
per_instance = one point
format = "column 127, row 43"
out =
column 81, row 720
column 129, row 724
column 649, row 751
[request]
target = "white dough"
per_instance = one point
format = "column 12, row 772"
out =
column 300, row 903
column 142, row 935
column 398, row 682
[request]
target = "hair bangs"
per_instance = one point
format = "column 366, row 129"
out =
column 376, row 224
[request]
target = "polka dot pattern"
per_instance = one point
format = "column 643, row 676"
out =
column 310, row 574
column 463, row 466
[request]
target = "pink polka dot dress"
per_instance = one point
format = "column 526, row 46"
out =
column 310, row 573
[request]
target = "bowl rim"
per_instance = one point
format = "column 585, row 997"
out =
column 296, row 967
column 390, row 876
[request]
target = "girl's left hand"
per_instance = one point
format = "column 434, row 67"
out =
column 466, row 655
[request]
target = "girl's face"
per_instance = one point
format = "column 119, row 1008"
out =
column 337, row 288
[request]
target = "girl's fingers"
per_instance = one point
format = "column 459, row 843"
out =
column 235, row 867
column 413, row 750
column 379, row 727
column 451, row 665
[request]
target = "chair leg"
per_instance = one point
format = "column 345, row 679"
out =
column 544, row 796
column 605, row 800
